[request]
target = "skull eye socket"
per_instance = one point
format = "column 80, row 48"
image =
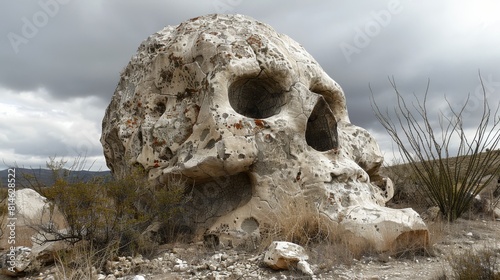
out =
column 321, row 130
column 160, row 108
column 257, row 98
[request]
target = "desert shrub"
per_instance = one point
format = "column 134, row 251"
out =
column 450, row 178
column 86, row 210
column 481, row 265
column 114, row 213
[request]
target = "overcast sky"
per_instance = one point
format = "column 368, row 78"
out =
column 60, row 59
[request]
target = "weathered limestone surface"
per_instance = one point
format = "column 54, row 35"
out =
column 253, row 121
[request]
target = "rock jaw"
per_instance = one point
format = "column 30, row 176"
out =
column 251, row 119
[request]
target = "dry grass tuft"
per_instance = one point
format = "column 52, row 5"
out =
column 82, row 261
column 302, row 223
column 480, row 264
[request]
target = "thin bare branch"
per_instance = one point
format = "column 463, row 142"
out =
column 450, row 176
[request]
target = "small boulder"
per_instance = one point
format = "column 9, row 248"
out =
column 283, row 255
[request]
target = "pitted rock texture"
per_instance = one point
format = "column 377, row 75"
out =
column 254, row 123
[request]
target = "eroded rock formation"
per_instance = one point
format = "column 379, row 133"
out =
column 254, row 123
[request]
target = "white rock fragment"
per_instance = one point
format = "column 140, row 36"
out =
column 283, row 255
column 305, row 268
column 180, row 265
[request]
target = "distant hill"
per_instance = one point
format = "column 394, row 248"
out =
column 46, row 176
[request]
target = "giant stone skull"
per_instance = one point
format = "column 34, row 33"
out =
column 252, row 121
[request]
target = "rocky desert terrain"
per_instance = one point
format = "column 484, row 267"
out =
column 450, row 241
